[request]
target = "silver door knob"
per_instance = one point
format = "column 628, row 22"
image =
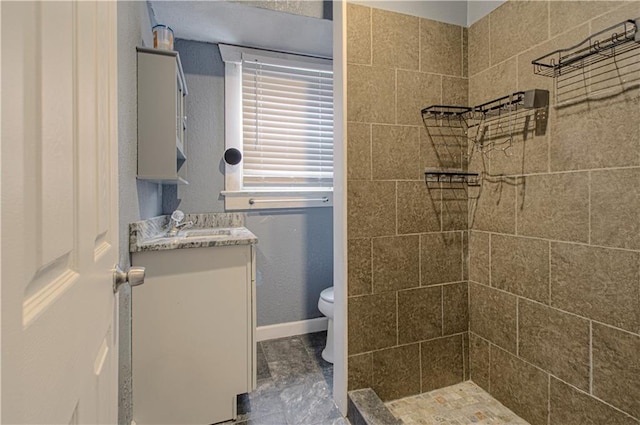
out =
column 135, row 277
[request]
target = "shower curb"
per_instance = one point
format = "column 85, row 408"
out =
column 366, row 408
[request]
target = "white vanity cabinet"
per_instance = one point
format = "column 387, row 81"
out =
column 193, row 341
column 162, row 121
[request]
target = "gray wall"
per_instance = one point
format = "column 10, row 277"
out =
column 138, row 200
column 295, row 254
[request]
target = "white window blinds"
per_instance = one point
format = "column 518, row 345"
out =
column 287, row 126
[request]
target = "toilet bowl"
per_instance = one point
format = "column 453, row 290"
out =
column 325, row 305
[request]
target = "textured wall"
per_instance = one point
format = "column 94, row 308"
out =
column 406, row 243
column 137, row 199
column 295, row 254
column 554, row 247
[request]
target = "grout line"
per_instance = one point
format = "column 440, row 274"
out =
column 548, row 21
column 595, row 397
column 589, row 204
column 442, row 310
column 396, row 209
column 489, row 368
column 490, row 260
column 371, row 36
column 489, row 44
column 591, row 357
column 419, row 261
column 583, row 244
column 370, row 152
column 371, row 266
column 518, row 327
column 397, row 321
column 420, row 365
column 549, row 276
column 560, row 310
column 549, row 399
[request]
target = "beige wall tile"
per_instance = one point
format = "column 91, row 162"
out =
column 358, row 34
column 371, row 94
column 440, row 258
column 421, row 208
column 416, row 90
column 517, row 26
column 555, row 341
column 479, row 46
column 615, row 208
column 554, row 206
column 442, row 362
column 358, row 151
column 419, row 314
column 479, row 360
column 455, row 91
column 616, row 15
column 396, row 372
column 465, row 356
column 597, row 283
column 565, row 15
column 493, row 209
column 616, row 368
column 372, row 322
column 455, row 306
column 521, row 266
column 525, row 153
column 396, row 263
column 360, row 371
column 580, row 139
column 494, row 82
column 440, row 48
column 455, row 207
column 395, row 152
column 395, row 39
column 359, row 265
column 569, row 406
column 519, row 386
column 493, row 315
column 371, row 208
column 442, row 148
column 479, row 257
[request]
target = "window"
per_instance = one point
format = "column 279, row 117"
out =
column 279, row 114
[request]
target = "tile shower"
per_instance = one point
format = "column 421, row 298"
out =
column 528, row 285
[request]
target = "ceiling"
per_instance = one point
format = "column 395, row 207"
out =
column 236, row 23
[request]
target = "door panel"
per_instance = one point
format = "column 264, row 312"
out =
column 59, row 212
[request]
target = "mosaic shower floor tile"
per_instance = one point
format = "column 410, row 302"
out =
column 460, row 404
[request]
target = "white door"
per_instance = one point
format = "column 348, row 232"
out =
column 59, row 212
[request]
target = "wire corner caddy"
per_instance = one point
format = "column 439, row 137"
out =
column 601, row 65
column 440, row 176
column 614, row 40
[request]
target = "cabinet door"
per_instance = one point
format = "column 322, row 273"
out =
column 191, row 335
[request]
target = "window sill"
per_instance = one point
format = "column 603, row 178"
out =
column 277, row 199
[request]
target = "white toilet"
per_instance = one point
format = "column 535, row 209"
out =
column 325, row 305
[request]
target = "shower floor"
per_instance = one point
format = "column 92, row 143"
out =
column 460, row 404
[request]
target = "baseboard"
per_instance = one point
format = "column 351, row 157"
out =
column 282, row 330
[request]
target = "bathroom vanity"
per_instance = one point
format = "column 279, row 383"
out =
column 193, row 321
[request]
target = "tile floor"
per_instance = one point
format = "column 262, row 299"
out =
column 460, row 404
column 294, row 385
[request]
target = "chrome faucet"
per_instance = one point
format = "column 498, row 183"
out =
column 176, row 224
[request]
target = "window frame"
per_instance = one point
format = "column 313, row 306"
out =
column 235, row 197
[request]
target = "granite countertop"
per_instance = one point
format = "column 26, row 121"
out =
column 226, row 229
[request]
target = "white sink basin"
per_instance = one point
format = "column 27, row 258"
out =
column 207, row 233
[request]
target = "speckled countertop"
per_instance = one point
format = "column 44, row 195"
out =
column 149, row 235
